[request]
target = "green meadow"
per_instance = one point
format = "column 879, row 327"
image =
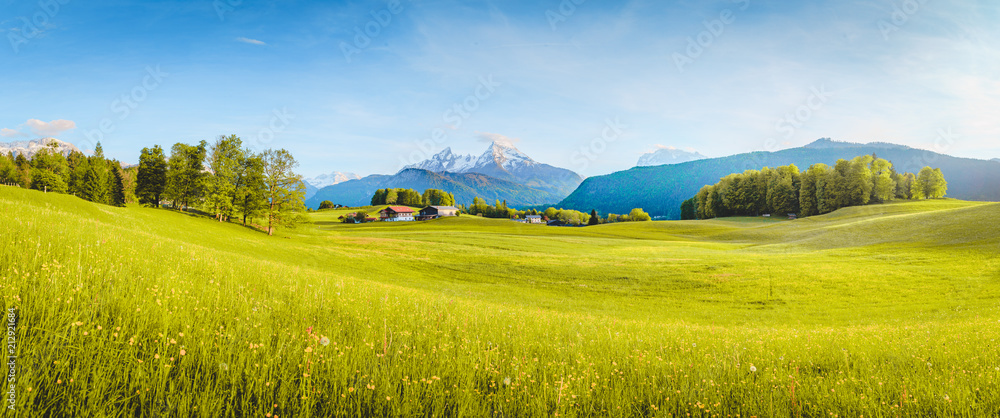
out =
column 876, row 311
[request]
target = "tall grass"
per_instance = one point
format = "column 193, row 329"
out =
column 141, row 312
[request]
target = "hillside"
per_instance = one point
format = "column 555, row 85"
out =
column 465, row 187
column 659, row 190
column 783, row 318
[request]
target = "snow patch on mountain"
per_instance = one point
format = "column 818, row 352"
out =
column 330, row 179
column 668, row 155
column 30, row 148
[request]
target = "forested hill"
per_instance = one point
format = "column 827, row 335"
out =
column 465, row 187
column 660, row 190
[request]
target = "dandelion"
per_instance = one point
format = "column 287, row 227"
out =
column 506, row 381
column 309, row 349
column 156, row 356
column 224, row 367
column 183, row 352
column 324, row 341
column 753, row 369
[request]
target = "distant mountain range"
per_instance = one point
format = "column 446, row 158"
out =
column 668, row 155
column 314, row 184
column 501, row 173
column 505, row 162
column 30, row 148
column 659, row 190
column 465, row 187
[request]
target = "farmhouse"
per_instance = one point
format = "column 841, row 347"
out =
column 396, row 214
column 434, row 212
column 533, row 219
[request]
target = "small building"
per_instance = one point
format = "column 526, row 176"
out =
column 434, row 212
column 556, row 222
column 792, row 216
column 533, row 219
column 396, row 214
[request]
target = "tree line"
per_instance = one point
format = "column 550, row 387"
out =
column 94, row 178
column 820, row 189
column 225, row 179
column 499, row 209
column 410, row 197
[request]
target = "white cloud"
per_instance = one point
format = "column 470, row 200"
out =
column 490, row 137
column 52, row 128
column 250, row 41
column 665, row 146
column 10, row 133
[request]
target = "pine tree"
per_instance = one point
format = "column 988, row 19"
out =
column 594, row 219
column 117, row 187
column 91, row 184
column 151, row 178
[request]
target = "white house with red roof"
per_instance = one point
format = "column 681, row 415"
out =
column 396, row 214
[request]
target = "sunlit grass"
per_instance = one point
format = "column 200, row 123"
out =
column 878, row 311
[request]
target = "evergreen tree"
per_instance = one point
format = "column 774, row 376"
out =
column 92, row 186
column 97, row 187
column 379, row 197
column 78, row 166
column 688, row 209
column 117, row 193
column 151, row 178
column 594, row 219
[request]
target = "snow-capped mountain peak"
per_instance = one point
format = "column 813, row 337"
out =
column 446, row 160
column 30, row 148
column 668, row 155
column 504, row 155
column 335, row 177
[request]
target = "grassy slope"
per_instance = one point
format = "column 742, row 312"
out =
column 892, row 303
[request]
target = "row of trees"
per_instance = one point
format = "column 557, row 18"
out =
column 820, row 189
column 225, row 179
column 410, row 197
column 636, row 215
column 94, row 178
column 499, row 209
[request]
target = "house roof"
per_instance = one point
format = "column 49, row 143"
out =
column 443, row 207
column 397, row 209
column 534, row 216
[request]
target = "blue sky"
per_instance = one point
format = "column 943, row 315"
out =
column 582, row 84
